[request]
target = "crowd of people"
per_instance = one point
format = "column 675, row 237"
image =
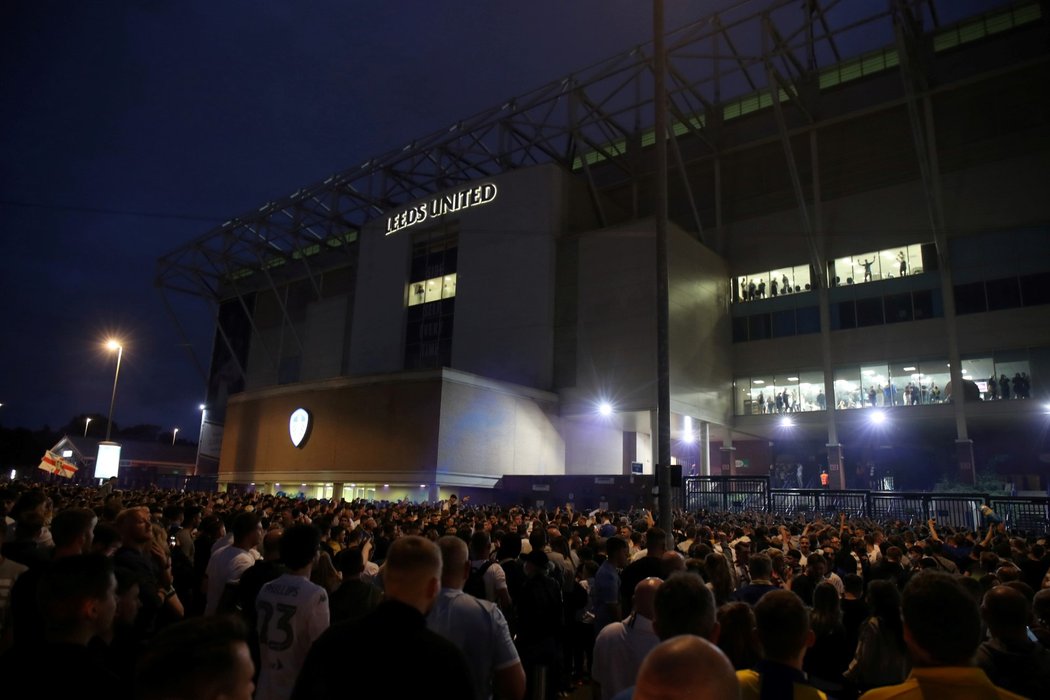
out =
column 170, row 595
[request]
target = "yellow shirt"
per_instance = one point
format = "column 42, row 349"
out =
column 751, row 688
column 954, row 682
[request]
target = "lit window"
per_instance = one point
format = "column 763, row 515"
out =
column 433, row 289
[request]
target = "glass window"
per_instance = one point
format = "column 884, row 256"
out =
column 1013, row 369
column 1035, row 289
column 811, row 390
column 969, row 298
column 843, row 315
column 876, row 265
column 923, row 304
column 448, row 286
column 433, row 289
column 783, row 323
column 901, row 374
column 739, row 329
column 808, row 319
column 1003, row 294
column 869, row 312
column 981, row 371
column 926, row 386
column 758, row 327
column 875, row 389
column 897, row 307
column 417, row 293
column 789, row 392
column 778, row 282
column 847, row 388
column 762, row 395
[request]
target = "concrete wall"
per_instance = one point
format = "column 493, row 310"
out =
column 492, row 429
column 384, row 429
column 504, row 318
column 616, row 320
column 504, row 323
column 699, row 332
column 593, row 445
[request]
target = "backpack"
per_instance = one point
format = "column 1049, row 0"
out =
column 475, row 584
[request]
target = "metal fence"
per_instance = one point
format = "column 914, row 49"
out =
column 732, row 494
column 959, row 510
column 1023, row 514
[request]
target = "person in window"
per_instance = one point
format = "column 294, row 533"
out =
column 993, row 389
column 867, row 269
column 762, row 289
column 1017, row 382
column 1004, row 387
column 903, row 263
column 785, row 284
column 751, row 290
column 773, row 288
column 822, row 401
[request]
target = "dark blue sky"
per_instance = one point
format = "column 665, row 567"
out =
column 129, row 128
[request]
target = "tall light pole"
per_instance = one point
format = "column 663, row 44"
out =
column 113, row 345
column 663, row 353
column 173, row 434
column 87, row 422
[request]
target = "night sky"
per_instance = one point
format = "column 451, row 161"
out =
column 129, row 128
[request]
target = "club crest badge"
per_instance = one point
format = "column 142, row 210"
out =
column 299, row 426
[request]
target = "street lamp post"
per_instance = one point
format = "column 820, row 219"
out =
column 113, row 345
column 87, row 422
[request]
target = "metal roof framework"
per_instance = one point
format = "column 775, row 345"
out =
column 596, row 123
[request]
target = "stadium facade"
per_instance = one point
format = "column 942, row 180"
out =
column 859, row 223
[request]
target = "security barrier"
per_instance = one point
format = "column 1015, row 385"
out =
column 959, row 510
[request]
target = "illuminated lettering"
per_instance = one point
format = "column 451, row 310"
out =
column 441, row 205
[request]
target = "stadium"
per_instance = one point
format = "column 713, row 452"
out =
column 857, row 273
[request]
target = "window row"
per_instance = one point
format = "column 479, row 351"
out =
column 872, row 266
column 433, row 289
column 858, row 313
column 1005, row 293
column 876, row 265
column 762, row 285
column 1005, row 376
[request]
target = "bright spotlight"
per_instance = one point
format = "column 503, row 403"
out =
column 201, row 407
column 1047, row 407
column 786, row 422
column 605, row 408
column 878, row 418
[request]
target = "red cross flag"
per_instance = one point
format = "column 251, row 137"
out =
column 51, row 462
